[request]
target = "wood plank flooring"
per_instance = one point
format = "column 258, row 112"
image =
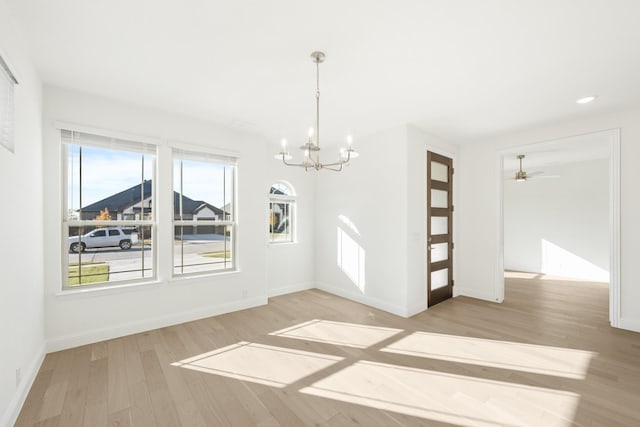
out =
column 545, row 357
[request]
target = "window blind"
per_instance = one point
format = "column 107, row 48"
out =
column 227, row 159
column 83, row 138
column 7, row 82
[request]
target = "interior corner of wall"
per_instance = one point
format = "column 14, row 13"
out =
column 29, row 376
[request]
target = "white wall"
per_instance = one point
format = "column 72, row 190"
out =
column 379, row 204
column 290, row 266
column 73, row 319
column 479, row 209
column 21, row 291
column 366, row 202
column 560, row 226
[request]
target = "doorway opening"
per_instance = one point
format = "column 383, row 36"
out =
column 559, row 213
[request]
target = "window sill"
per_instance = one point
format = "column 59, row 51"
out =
column 283, row 243
column 129, row 287
column 186, row 278
column 125, row 287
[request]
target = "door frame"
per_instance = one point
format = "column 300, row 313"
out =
column 425, row 236
column 612, row 137
column 445, row 292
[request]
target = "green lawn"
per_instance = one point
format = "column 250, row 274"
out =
column 93, row 272
column 217, row 254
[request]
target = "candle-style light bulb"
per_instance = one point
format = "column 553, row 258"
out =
column 310, row 136
column 284, row 145
column 352, row 153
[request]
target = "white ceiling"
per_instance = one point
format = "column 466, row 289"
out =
column 460, row 69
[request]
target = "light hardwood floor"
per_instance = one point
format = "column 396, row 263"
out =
column 544, row 357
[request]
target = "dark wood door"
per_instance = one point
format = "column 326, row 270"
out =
column 439, row 228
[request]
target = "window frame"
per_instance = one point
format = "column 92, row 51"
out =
column 197, row 155
column 118, row 142
column 289, row 199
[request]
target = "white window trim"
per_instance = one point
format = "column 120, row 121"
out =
column 163, row 203
column 191, row 152
column 67, row 223
column 292, row 199
column 123, row 136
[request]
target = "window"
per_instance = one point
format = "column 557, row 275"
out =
column 282, row 204
column 7, row 82
column 203, row 213
column 108, row 225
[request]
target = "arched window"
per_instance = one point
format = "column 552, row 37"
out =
column 282, row 205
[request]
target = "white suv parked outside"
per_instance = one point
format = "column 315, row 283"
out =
column 104, row 237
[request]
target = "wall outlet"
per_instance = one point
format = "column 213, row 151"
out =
column 18, row 376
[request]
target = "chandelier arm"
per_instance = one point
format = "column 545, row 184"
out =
column 341, row 161
column 302, row 165
column 338, row 163
column 328, row 167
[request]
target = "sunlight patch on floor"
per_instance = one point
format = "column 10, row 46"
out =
column 338, row 333
column 263, row 364
column 447, row 398
column 556, row 361
column 510, row 274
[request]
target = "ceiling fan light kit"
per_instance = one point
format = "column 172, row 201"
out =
column 311, row 148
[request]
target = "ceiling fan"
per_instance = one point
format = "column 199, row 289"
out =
column 522, row 176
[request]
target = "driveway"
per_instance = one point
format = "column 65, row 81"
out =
column 127, row 264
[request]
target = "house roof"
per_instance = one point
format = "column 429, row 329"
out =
column 126, row 198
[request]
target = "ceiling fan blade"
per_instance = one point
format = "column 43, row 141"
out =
column 547, row 176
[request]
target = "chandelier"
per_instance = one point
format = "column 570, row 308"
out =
column 312, row 148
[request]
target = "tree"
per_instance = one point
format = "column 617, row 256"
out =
column 104, row 215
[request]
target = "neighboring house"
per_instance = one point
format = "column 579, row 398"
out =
column 227, row 209
column 136, row 203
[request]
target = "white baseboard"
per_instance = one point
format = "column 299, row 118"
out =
column 289, row 289
column 365, row 299
column 417, row 308
column 630, row 324
column 474, row 293
column 31, row 371
column 70, row 341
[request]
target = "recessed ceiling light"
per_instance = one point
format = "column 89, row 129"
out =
column 585, row 100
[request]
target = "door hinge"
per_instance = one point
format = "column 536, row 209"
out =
column 452, row 208
column 453, row 245
column 453, row 171
column 453, row 282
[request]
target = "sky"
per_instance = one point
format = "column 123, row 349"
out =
column 106, row 172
